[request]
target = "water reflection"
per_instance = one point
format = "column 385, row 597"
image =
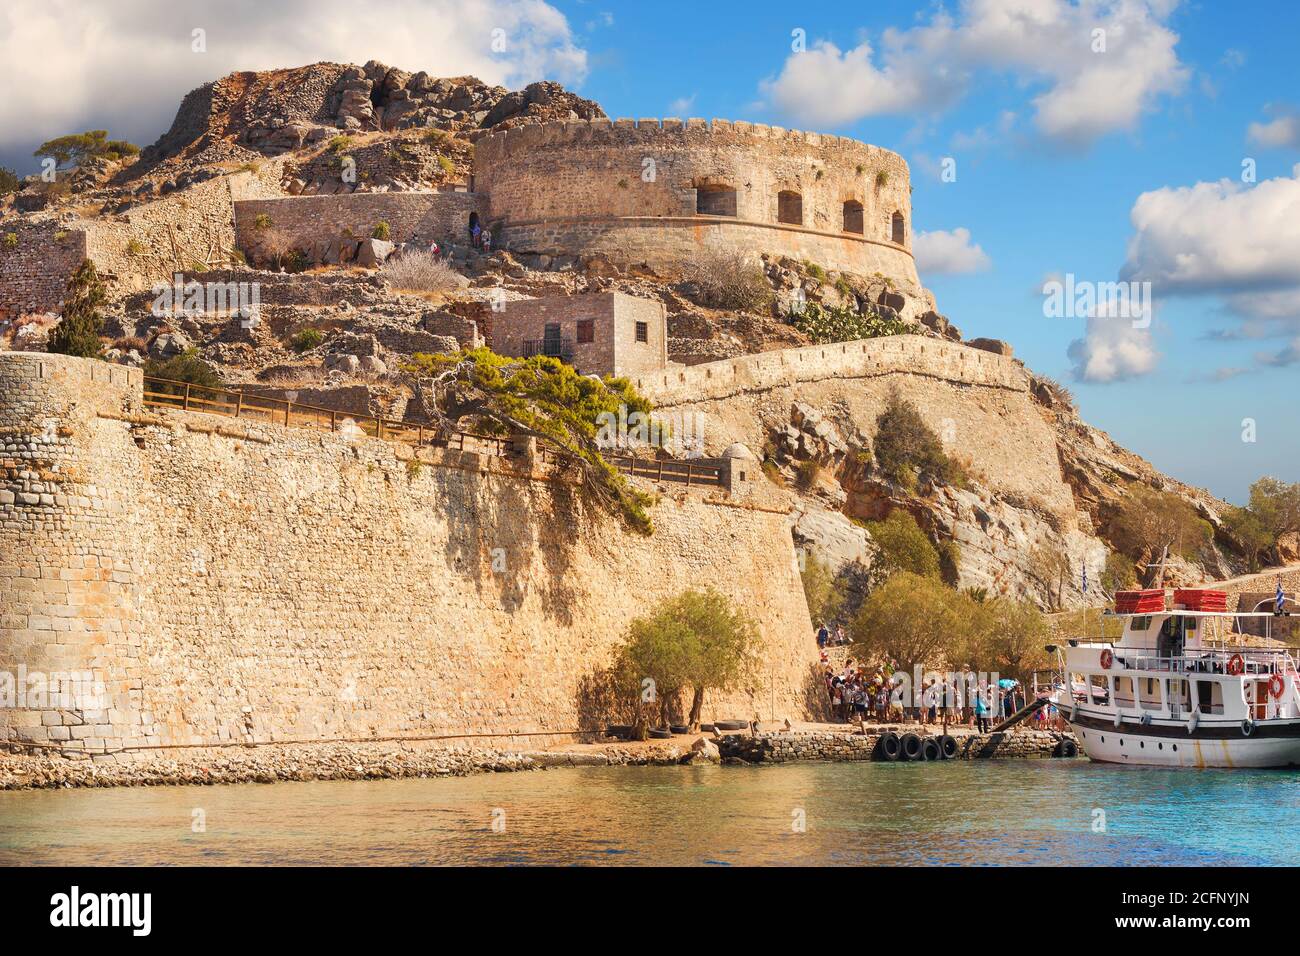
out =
column 1014, row 812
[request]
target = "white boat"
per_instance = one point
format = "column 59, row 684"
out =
column 1181, row 689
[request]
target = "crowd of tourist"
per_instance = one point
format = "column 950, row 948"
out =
column 862, row 691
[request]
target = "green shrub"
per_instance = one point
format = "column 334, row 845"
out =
column 844, row 289
column 906, row 447
column 305, row 339
column 11, row 240
column 901, row 545
column 340, row 144
column 807, row 474
column 186, row 367
column 78, row 331
column 134, row 247
column 381, row 231
column 882, row 178
column 825, row 324
column 1119, row 574
column 261, row 221
column 814, row 270
column 9, row 181
column 447, row 165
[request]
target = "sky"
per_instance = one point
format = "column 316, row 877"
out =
column 1152, row 143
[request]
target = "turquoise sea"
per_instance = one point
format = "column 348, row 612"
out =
column 1043, row 813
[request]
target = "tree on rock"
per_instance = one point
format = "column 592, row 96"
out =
column 697, row 640
column 541, row 398
column 75, row 148
column 78, row 331
column 906, row 448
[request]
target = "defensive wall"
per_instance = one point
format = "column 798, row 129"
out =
column 977, row 402
column 189, row 230
column 634, row 190
column 309, row 219
column 235, row 581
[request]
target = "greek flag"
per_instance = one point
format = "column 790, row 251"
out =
column 1085, row 579
column 1279, row 600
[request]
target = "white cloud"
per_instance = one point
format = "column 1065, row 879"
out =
column 948, row 253
column 1217, row 237
column 1235, row 243
column 1112, row 350
column 1283, row 131
column 681, row 106
column 125, row 65
column 1088, row 93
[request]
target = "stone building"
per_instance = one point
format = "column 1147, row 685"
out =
column 602, row 333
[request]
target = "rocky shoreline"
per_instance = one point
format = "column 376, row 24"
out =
column 272, row 763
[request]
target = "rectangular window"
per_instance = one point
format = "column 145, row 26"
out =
column 586, row 331
column 643, row 332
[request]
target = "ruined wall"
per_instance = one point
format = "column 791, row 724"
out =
column 237, row 581
column 35, row 265
column 583, row 187
column 187, row 230
column 310, row 219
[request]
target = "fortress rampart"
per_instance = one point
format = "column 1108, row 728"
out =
column 976, row 402
column 910, row 354
column 656, row 190
column 307, row 219
column 230, row 581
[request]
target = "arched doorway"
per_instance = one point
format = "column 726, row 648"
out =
column 897, row 232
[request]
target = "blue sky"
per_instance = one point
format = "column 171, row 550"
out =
column 1054, row 140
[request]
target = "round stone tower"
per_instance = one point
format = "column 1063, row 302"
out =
column 67, row 643
column 656, row 191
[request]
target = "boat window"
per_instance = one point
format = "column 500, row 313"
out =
column 1124, row 692
column 1209, row 696
column 1149, row 693
column 1100, row 689
column 1139, row 624
column 1179, row 696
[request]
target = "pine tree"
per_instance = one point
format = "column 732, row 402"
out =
column 78, row 332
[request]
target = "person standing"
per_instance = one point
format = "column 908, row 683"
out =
column 981, row 711
column 823, row 635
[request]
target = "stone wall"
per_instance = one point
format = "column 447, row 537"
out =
column 307, row 219
column 977, row 402
column 35, row 265
column 189, row 230
column 232, row 581
column 628, row 190
column 846, row 746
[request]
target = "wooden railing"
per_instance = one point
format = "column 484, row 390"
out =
column 691, row 471
column 187, row 397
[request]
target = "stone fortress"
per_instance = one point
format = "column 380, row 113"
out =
column 237, row 582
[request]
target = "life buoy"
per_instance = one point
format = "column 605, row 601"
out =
column 1236, row 665
column 1107, row 658
column 1247, row 727
column 1276, row 685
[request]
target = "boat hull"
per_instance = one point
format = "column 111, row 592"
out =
column 1271, row 744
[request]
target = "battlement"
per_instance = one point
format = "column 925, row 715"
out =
column 624, row 129
column 895, row 354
